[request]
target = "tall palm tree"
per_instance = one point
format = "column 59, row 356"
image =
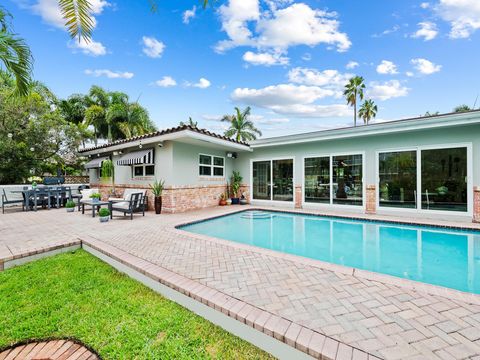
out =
column 368, row 111
column 132, row 119
column 95, row 117
column 353, row 90
column 190, row 122
column 15, row 54
column 241, row 129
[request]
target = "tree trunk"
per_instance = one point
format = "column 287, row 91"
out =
column 355, row 113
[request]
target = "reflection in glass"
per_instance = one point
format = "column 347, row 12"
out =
column 283, row 180
column 261, row 180
column 398, row 179
column 444, row 179
column 347, row 180
column 317, row 180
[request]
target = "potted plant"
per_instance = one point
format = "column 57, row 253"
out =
column 229, row 199
column 223, row 201
column 70, row 206
column 95, row 197
column 107, row 174
column 236, row 182
column 157, row 190
column 104, row 214
column 243, row 199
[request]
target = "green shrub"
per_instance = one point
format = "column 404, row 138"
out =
column 70, row 204
column 95, row 196
column 104, row 212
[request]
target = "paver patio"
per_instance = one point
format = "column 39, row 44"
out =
column 386, row 320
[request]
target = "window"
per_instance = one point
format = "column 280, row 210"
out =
column 444, row 179
column 143, row 170
column 273, row 180
column 398, row 179
column 210, row 165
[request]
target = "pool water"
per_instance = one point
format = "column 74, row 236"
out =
column 433, row 255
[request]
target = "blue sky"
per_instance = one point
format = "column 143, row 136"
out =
column 287, row 59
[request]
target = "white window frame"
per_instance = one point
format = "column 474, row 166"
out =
column 419, row 210
column 143, row 166
column 331, row 205
column 212, row 166
column 271, row 201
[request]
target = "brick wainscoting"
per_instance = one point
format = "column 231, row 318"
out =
column 298, row 197
column 175, row 199
column 371, row 200
column 476, row 204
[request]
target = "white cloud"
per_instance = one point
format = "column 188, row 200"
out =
column 387, row 90
column 166, row 81
column 463, row 16
column 209, row 117
column 272, row 121
column 189, row 14
column 278, row 28
column 110, row 74
column 328, row 79
column 292, row 100
column 427, row 30
column 425, row 67
column 352, row 65
column 51, row 14
column 425, row 5
column 201, row 84
column 392, row 30
column 307, row 57
column 152, row 47
column 92, row 48
column 266, row 59
column 409, row 74
column 387, row 67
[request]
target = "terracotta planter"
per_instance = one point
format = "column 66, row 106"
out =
column 222, row 202
column 158, row 204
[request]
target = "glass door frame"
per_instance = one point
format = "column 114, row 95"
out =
column 271, row 179
column 419, row 149
column 331, row 204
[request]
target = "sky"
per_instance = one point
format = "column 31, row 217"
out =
column 289, row 60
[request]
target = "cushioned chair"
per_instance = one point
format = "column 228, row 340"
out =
column 86, row 196
column 7, row 201
column 135, row 203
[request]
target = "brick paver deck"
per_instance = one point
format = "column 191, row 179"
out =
column 51, row 350
column 383, row 319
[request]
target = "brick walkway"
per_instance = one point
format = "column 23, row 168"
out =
column 385, row 320
column 51, row 350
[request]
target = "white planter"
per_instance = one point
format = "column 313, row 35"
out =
column 104, row 218
column 71, row 209
column 229, row 201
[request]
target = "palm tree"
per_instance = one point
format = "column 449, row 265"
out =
column 462, row 108
column 15, row 54
column 368, row 111
column 132, row 119
column 95, row 117
column 73, row 109
column 241, row 128
column 190, row 122
column 354, row 89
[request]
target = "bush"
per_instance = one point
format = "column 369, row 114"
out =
column 95, row 196
column 70, row 204
column 104, row 212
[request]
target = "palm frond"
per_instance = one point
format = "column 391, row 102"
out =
column 78, row 18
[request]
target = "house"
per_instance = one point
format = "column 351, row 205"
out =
column 421, row 167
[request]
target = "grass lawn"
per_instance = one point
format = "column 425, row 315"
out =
column 77, row 295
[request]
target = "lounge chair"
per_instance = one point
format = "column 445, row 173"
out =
column 6, row 201
column 135, row 203
column 86, row 195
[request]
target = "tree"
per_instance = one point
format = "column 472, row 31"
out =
column 241, row 129
column 15, row 54
column 353, row 90
column 368, row 111
column 190, row 122
column 462, row 108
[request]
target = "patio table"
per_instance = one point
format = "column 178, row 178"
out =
column 96, row 205
column 28, row 192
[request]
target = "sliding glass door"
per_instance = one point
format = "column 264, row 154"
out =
column 444, row 179
column 398, row 179
column 273, row 180
column 336, row 179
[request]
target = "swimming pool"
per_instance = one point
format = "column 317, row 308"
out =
column 432, row 255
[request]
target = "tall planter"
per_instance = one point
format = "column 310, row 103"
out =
column 158, row 205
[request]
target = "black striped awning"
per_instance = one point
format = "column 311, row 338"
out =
column 137, row 157
column 95, row 163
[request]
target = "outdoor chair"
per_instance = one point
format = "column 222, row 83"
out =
column 6, row 201
column 136, row 203
column 86, row 196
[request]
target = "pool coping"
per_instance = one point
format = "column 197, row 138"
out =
column 413, row 285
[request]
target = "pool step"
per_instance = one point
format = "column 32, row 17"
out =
column 257, row 215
